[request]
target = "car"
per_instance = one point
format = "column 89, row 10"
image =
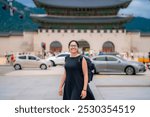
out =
column 58, row 59
column 30, row 61
column 111, row 63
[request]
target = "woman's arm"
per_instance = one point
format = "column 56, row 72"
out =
column 85, row 73
column 62, row 82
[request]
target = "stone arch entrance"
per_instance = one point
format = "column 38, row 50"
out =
column 84, row 45
column 55, row 46
column 108, row 47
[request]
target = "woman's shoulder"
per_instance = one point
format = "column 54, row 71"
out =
column 67, row 57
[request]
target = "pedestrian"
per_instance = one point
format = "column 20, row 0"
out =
column 75, row 77
column 100, row 53
column 132, row 55
column 127, row 54
column 149, row 56
column 7, row 58
column 12, row 58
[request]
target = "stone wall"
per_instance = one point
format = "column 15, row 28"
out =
column 18, row 43
column 95, row 39
column 31, row 41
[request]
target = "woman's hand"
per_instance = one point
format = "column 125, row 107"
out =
column 60, row 92
column 83, row 94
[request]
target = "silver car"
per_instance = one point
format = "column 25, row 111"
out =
column 30, row 61
column 111, row 63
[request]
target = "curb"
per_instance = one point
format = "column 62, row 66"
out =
column 5, row 65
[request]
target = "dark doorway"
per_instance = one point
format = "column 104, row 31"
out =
column 55, row 46
column 108, row 47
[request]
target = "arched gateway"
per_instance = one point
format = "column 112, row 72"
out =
column 84, row 45
column 108, row 47
column 73, row 14
column 55, row 46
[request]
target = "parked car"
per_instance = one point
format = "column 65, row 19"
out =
column 58, row 59
column 110, row 63
column 30, row 61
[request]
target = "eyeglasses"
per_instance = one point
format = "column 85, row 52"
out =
column 73, row 46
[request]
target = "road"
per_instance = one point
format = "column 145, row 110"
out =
column 39, row 84
column 4, row 69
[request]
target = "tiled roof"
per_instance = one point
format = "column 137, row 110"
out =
column 7, row 34
column 81, row 3
column 83, row 20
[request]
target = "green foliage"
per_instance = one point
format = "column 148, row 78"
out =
column 139, row 24
column 14, row 23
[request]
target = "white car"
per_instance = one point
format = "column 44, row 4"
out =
column 30, row 61
column 58, row 59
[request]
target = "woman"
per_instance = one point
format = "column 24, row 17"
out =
column 75, row 77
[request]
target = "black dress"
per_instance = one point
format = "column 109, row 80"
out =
column 75, row 80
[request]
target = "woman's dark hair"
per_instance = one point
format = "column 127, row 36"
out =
column 73, row 41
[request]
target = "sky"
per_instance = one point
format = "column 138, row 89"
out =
column 139, row 8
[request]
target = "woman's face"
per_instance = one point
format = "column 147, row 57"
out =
column 73, row 48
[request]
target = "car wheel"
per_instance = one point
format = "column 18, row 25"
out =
column 53, row 63
column 43, row 67
column 130, row 70
column 17, row 67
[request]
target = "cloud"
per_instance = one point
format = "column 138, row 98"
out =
column 138, row 8
column 28, row 3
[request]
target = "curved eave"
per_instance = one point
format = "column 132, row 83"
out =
column 8, row 34
column 44, row 4
column 77, row 20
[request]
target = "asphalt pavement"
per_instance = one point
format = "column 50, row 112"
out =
column 4, row 69
column 36, row 84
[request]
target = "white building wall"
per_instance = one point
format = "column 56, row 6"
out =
column 16, row 43
column 95, row 39
column 31, row 41
column 140, row 44
column 144, row 43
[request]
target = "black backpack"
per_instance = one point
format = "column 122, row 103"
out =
column 90, row 66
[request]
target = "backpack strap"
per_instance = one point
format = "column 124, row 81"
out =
column 66, row 57
column 80, row 59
